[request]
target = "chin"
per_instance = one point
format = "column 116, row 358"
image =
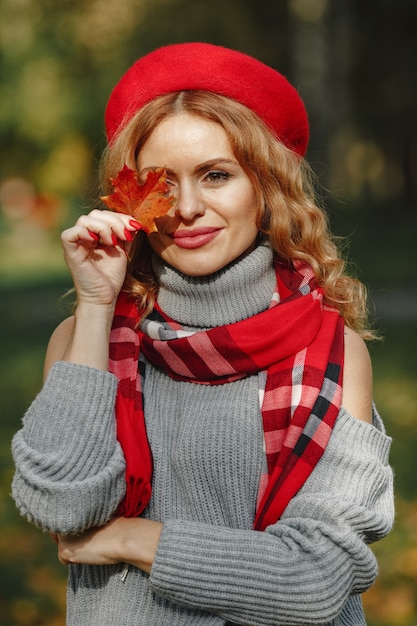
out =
column 193, row 266
column 197, row 271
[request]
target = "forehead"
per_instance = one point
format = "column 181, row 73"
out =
column 186, row 124
column 186, row 134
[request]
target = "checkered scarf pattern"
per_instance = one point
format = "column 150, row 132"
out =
column 296, row 349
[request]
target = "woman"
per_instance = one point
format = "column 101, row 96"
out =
column 250, row 468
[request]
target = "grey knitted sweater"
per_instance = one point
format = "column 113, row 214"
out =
column 211, row 568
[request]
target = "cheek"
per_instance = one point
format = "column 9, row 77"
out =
column 247, row 215
column 249, row 235
column 244, row 233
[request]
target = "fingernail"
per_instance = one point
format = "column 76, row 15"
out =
column 135, row 224
column 114, row 239
column 128, row 235
column 94, row 236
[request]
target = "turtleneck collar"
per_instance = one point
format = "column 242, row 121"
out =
column 237, row 291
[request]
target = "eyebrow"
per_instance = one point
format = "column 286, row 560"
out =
column 202, row 167
column 215, row 162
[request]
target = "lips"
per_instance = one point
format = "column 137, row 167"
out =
column 194, row 237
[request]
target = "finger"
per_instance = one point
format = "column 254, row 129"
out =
column 68, row 546
column 119, row 222
column 90, row 234
column 62, row 557
column 94, row 236
column 102, row 227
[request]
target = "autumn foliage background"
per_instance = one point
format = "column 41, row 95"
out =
column 354, row 63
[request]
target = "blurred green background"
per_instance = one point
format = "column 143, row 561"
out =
column 355, row 64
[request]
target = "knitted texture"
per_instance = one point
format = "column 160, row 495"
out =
column 236, row 292
column 203, row 66
column 59, row 473
column 300, row 571
column 297, row 343
column 211, row 568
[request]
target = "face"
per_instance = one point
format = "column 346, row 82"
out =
column 213, row 221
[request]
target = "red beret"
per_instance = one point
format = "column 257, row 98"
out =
column 203, row 66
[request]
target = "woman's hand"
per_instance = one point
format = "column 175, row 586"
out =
column 129, row 540
column 95, row 250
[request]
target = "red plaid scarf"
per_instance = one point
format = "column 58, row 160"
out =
column 296, row 347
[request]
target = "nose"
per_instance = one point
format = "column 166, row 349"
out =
column 189, row 203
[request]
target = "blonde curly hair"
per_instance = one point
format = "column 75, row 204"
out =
column 289, row 216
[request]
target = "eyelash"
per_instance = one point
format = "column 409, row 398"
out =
column 217, row 176
column 213, row 176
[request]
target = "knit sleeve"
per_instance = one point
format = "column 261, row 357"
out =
column 302, row 569
column 69, row 472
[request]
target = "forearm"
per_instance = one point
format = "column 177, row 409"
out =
column 69, row 466
column 249, row 577
column 89, row 341
column 132, row 540
column 96, row 252
column 318, row 550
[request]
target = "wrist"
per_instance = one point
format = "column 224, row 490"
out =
column 93, row 313
column 139, row 542
column 89, row 343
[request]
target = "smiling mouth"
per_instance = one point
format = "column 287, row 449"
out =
column 194, row 238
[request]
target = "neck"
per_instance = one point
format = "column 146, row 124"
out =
column 238, row 291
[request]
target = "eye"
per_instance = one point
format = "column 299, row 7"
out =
column 217, row 176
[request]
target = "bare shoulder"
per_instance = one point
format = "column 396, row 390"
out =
column 357, row 377
column 58, row 343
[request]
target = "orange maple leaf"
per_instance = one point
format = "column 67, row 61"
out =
column 143, row 202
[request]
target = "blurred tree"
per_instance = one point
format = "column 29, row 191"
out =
column 58, row 63
column 354, row 66
column 385, row 88
column 354, row 63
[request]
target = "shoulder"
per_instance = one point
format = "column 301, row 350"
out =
column 58, row 343
column 357, row 377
